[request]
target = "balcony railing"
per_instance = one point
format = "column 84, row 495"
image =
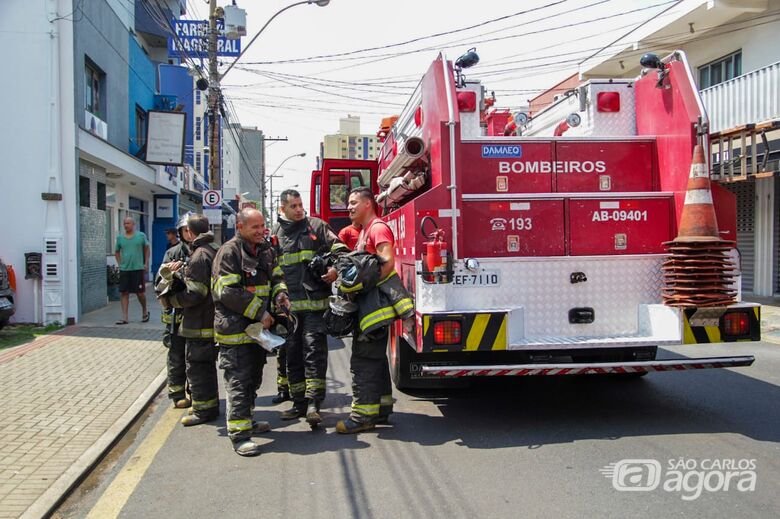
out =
column 748, row 99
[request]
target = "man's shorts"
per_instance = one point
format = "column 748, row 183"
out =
column 132, row 281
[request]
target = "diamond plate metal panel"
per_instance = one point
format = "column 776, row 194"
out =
column 612, row 124
column 541, row 288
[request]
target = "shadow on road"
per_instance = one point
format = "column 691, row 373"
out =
column 534, row 412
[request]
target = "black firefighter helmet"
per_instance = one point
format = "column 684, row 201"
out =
column 340, row 317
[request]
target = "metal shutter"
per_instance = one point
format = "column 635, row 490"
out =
column 745, row 191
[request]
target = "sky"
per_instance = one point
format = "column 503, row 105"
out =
column 290, row 84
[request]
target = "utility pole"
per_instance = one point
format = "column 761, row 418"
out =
column 215, row 176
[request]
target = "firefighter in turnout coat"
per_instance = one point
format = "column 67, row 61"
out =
column 299, row 240
column 174, row 258
column 246, row 280
column 197, row 324
column 372, row 395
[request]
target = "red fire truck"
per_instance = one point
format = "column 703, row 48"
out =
column 535, row 246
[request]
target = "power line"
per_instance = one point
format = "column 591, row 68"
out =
column 414, row 40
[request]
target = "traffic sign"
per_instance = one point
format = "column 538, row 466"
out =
column 212, row 199
column 212, row 206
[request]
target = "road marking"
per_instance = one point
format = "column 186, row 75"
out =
column 118, row 492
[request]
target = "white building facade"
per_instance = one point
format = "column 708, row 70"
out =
column 733, row 47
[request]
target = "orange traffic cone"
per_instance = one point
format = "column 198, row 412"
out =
column 698, row 271
column 698, row 222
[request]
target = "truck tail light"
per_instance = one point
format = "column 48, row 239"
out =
column 736, row 324
column 446, row 332
column 608, row 101
column 418, row 116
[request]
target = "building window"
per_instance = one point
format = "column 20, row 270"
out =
column 94, row 80
column 197, row 97
column 720, row 70
column 197, row 163
column 198, row 124
column 84, row 191
column 140, row 126
column 101, row 196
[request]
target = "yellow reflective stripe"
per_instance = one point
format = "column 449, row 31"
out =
column 254, row 306
column 386, row 400
column 298, row 387
column 403, row 306
column 262, row 290
column 365, row 409
column 200, row 405
column 293, row 258
column 347, row 289
column 196, row 286
column 175, row 389
column 235, row 338
column 281, row 381
column 218, row 284
column 277, row 271
column 384, row 280
column 166, row 318
column 239, row 425
column 309, row 305
column 315, row 383
column 280, row 287
column 338, row 246
column 192, row 333
column 376, row 317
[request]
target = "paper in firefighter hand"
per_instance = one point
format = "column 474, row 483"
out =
column 267, row 340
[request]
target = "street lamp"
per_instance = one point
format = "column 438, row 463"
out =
column 321, row 3
column 273, row 175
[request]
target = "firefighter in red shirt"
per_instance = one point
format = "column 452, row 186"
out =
column 372, row 394
column 349, row 235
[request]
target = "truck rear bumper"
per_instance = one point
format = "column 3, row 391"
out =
column 586, row 368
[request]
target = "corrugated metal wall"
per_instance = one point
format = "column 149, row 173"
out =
column 749, row 98
column 746, row 210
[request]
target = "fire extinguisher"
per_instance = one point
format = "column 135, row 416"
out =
column 436, row 253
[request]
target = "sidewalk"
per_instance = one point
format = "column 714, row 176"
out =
column 67, row 397
column 770, row 318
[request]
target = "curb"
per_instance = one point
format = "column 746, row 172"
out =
column 59, row 490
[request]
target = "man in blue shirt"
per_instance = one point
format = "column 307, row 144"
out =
column 132, row 256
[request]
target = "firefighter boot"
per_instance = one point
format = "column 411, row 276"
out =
column 260, row 427
column 350, row 426
column 197, row 419
column 313, row 413
column 297, row 410
column 182, row 403
column 246, row 448
column 283, row 396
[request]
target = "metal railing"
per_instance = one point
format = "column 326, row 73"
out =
column 749, row 98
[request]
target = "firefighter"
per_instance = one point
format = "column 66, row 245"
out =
column 372, row 395
column 174, row 258
column 349, row 235
column 198, row 323
column 245, row 280
column 301, row 244
column 282, row 383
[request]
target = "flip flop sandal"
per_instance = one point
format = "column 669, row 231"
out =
column 121, row 322
column 146, row 318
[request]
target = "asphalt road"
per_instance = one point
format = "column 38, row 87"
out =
column 501, row 448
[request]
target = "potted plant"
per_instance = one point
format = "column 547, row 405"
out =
column 112, row 282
